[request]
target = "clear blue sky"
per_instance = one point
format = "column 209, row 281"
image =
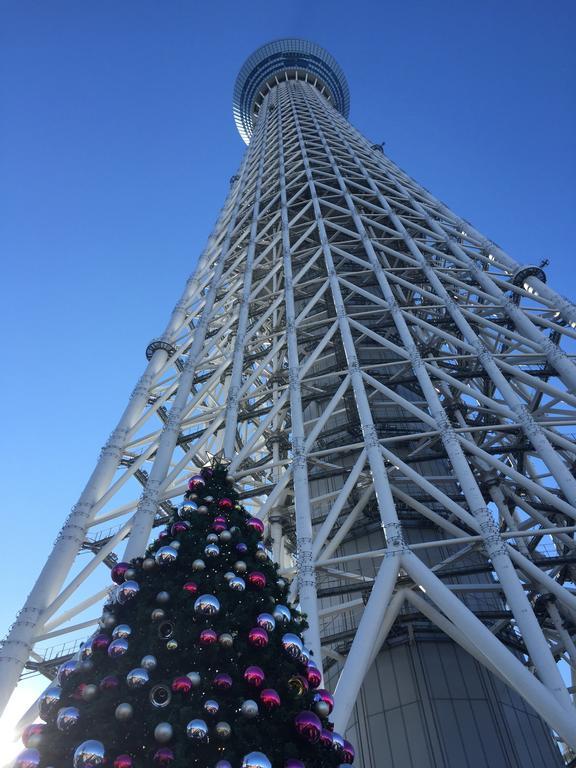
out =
column 117, row 145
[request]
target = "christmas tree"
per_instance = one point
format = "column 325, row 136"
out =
column 198, row 659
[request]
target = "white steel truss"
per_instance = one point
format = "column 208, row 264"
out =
column 343, row 325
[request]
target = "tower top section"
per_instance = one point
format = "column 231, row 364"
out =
column 286, row 59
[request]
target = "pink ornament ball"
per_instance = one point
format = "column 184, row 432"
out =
column 322, row 695
column 109, row 683
column 258, row 637
column 313, row 676
column 180, row 527
column 254, row 524
column 32, row 733
column 182, row 685
column 118, row 571
column 348, row 753
column 100, row 642
column 270, row 699
column 163, row 757
column 222, row 681
column 308, row 726
column 208, row 637
column 225, row 504
column 219, row 524
column 123, row 761
column 196, row 483
column 256, row 579
column 254, row 676
column 191, row 587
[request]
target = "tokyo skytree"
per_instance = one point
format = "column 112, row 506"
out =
column 396, row 396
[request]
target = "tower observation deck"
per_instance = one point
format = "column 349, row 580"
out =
column 395, row 396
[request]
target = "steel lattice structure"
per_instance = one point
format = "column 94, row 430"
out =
column 392, row 391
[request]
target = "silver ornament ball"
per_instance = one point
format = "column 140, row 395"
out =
column 166, row 555
column 149, row 662
column 198, row 565
column 67, row 719
column 197, row 730
column 207, row 605
column 122, row 631
column 148, row 564
column 163, row 597
column 223, row 730
column 89, row 754
column 226, row 640
column 240, row 566
column 137, row 678
column 249, row 709
column 195, row 679
column 225, row 537
column 89, row 692
column 237, row 584
column 163, row 733
column 124, row 712
column 256, row 760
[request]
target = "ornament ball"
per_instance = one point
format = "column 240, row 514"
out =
column 124, row 712
column 256, row 760
column 163, row 733
column 89, row 754
column 249, row 708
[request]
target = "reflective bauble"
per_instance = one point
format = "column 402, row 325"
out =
column 127, row 591
column 123, row 761
column 163, row 597
column 229, row 575
column 282, row 615
column 49, row 702
column 121, row 632
column 292, row 645
column 254, row 524
column 207, row 472
column 222, row 681
column 137, row 678
column 219, row 524
column 198, row 565
column 225, row 537
column 174, row 544
column 67, row 719
column 149, row 662
column 89, row 692
column 256, row 760
column 322, row 709
column 197, row 730
column 258, row 637
column 261, row 555
column 109, row 683
column 148, row 564
column 158, row 614
column 163, row 757
column 237, row 584
column 322, row 695
column 32, row 735
column 348, row 753
column 304, row 656
column 67, row 669
column 163, row 733
column 308, row 726
column 254, row 676
column 225, row 504
column 293, row 763
column 223, row 730
column 337, row 743
column 160, row 696
column 196, row 483
column 187, row 508
column 234, row 530
column 313, row 675
column 270, row 699
column 207, row 605
column 240, row 567
column 298, row 685
column 226, row 640
column 118, row 572
column 256, row 579
column 202, row 509
column 86, row 650
column 212, row 550
column 325, row 738
column 166, row 555
column 208, row 637
column 223, row 764
column 124, row 712
column 182, row 685
column 166, row 630
column 180, row 527
column 130, row 574
column 172, row 645
column 249, row 709
column 211, row 707
column 29, row 758
column 266, row 621
column 195, row 678
column 212, row 538
column 281, row 583
column 190, row 587
column 89, row 754
column 241, row 548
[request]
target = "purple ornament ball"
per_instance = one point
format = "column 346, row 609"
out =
column 208, row 637
column 254, row 676
column 313, row 676
column 222, row 681
column 322, row 695
column 163, row 757
column 207, row 472
column 196, row 483
column 123, row 761
column 270, row 699
column 30, row 758
column 118, row 571
column 182, row 685
column 255, row 524
column 308, row 726
column 256, row 579
column 180, row 527
column 348, row 753
column 100, row 642
column 326, row 738
column 293, row 763
column 241, row 548
column 32, row 733
column 109, row 683
column 258, row 637
column 225, row 504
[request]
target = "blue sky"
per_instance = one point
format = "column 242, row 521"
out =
column 116, row 147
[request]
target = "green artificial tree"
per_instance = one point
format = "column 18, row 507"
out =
column 198, row 660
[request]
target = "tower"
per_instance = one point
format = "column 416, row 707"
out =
column 392, row 392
